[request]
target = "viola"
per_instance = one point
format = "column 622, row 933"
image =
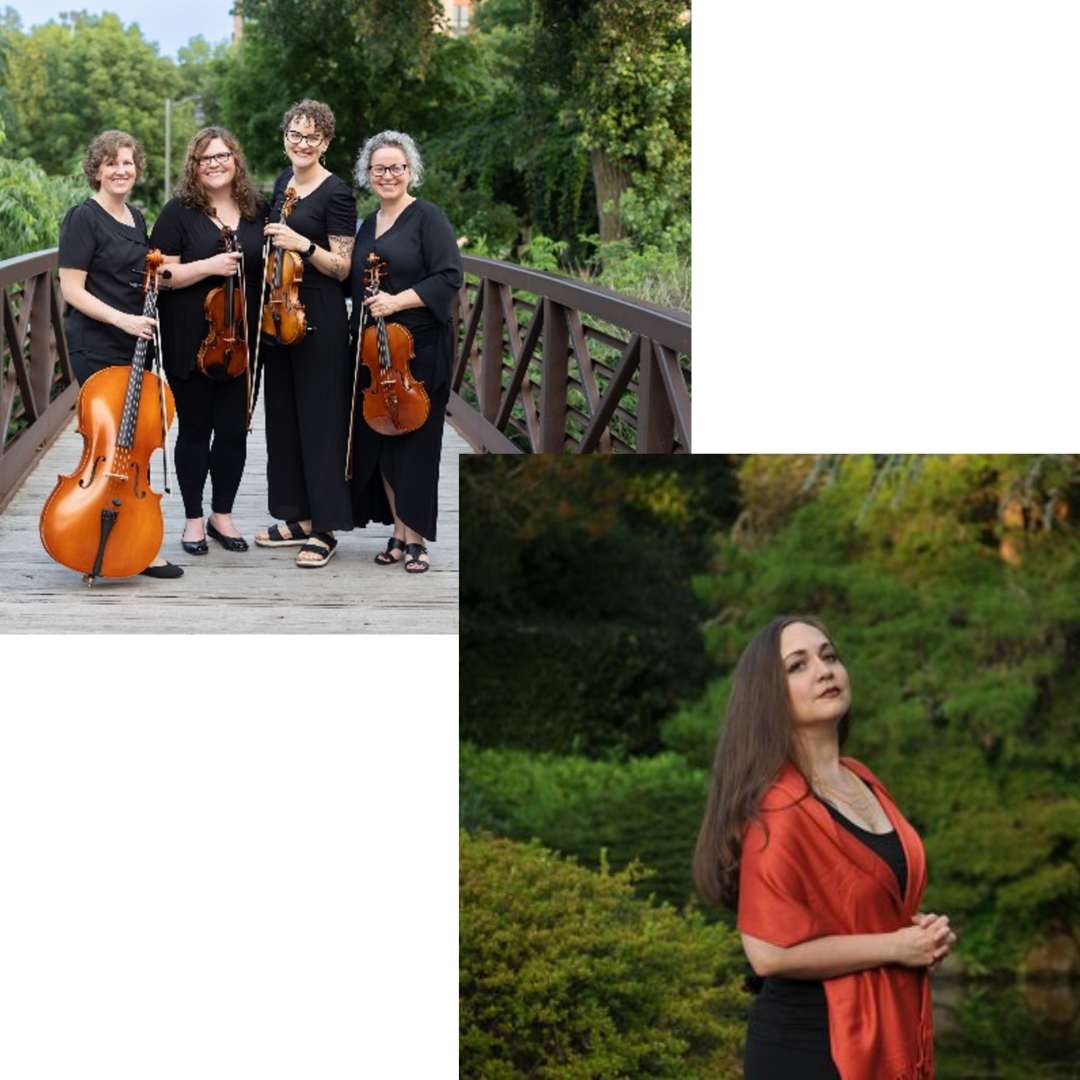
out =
column 283, row 316
column 395, row 402
column 103, row 520
column 223, row 353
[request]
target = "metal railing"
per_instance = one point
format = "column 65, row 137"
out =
column 37, row 386
column 547, row 364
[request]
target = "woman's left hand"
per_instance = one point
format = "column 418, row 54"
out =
column 924, row 919
column 286, row 238
column 382, row 304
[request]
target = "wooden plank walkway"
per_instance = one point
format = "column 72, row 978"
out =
column 259, row 591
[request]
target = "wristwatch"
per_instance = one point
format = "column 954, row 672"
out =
column 310, row 251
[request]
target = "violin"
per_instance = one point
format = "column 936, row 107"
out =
column 395, row 403
column 283, row 316
column 103, row 520
column 223, row 353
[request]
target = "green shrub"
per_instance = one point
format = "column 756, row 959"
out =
column 646, row 809
column 566, row 975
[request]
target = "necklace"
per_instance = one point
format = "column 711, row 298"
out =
column 859, row 802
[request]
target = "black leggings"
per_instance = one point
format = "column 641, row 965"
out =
column 208, row 407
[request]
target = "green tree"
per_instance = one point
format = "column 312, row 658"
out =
column 71, row 79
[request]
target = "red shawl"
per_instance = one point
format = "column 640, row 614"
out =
column 814, row 879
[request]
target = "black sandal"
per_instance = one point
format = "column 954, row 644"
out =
column 412, row 558
column 274, row 537
column 384, row 558
column 322, row 544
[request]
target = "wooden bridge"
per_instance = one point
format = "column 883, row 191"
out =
column 543, row 364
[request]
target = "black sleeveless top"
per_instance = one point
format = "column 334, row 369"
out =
column 794, row 1012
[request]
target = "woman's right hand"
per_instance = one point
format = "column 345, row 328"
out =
column 924, row 944
column 224, row 264
column 139, row 326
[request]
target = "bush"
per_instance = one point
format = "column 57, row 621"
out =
column 565, row 975
column 646, row 809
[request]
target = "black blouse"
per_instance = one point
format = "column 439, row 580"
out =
column 329, row 210
column 191, row 234
column 794, row 1012
column 421, row 252
column 114, row 258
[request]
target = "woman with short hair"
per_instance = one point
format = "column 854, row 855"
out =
column 307, row 382
column 103, row 246
column 396, row 477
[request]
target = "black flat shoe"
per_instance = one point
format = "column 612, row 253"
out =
column 229, row 543
column 194, row 547
column 169, row 570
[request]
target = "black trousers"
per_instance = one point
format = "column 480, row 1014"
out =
column 307, row 396
column 210, row 409
column 764, row 1060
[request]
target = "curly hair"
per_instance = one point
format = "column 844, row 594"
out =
column 320, row 115
column 402, row 142
column 104, row 150
column 191, row 192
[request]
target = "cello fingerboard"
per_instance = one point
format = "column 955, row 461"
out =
column 126, row 436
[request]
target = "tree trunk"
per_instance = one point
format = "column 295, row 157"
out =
column 610, row 182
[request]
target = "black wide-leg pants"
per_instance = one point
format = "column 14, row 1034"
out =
column 307, row 392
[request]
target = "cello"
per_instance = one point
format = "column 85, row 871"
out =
column 395, row 403
column 103, row 520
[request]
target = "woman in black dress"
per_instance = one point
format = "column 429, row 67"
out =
column 396, row 477
column 215, row 192
column 307, row 383
column 103, row 245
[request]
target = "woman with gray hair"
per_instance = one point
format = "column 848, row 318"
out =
column 396, row 478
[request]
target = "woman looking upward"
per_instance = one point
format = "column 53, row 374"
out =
column 825, row 872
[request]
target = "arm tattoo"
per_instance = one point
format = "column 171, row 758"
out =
column 341, row 254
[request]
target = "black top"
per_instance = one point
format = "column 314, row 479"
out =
column 329, row 210
column 114, row 258
column 191, row 234
column 794, row 1012
column 422, row 254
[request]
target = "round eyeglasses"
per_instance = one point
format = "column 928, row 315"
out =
column 297, row 137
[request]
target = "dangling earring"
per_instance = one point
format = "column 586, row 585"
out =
column 322, row 161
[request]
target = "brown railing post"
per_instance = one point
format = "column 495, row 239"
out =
column 555, row 371
column 42, row 360
column 655, row 421
column 491, row 355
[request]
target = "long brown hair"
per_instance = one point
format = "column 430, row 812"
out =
column 190, row 190
column 756, row 741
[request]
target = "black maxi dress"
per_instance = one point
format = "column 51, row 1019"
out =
column 422, row 254
column 114, row 257
column 307, row 384
column 205, row 407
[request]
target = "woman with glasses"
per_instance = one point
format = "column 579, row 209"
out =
column 307, row 383
column 396, row 477
column 103, row 245
column 214, row 194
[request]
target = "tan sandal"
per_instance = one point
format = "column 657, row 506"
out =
column 320, row 544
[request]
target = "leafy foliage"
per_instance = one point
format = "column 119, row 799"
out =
column 70, row 80
column 566, row 974
column 32, row 205
column 645, row 809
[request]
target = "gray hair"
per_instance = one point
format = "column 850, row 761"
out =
column 390, row 138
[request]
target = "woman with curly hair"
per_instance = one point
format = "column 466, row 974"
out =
column 103, row 245
column 824, row 870
column 396, row 477
column 307, row 383
column 215, row 193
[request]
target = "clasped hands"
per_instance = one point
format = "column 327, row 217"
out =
column 926, row 943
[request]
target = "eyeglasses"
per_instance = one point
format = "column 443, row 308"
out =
column 393, row 170
column 215, row 159
column 297, row 137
